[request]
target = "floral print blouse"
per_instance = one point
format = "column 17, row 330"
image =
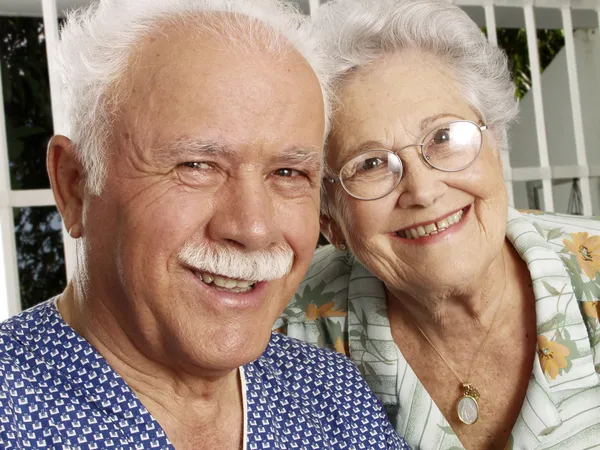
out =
column 341, row 305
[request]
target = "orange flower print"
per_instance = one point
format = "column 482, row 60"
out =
column 341, row 346
column 587, row 250
column 591, row 309
column 552, row 356
column 313, row 312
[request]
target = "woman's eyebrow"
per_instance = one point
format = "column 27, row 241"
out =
column 424, row 126
column 427, row 121
column 365, row 145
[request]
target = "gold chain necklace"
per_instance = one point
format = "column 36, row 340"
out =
column 467, row 406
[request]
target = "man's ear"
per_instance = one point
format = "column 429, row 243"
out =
column 332, row 231
column 67, row 180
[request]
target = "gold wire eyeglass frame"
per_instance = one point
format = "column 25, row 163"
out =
column 423, row 157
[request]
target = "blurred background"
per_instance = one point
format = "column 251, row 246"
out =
column 553, row 48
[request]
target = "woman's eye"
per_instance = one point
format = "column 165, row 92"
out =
column 441, row 136
column 371, row 163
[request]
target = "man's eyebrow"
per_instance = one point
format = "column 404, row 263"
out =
column 192, row 149
column 310, row 157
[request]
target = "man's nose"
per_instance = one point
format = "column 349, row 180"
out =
column 245, row 215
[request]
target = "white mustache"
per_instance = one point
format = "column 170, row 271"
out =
column 259, row 265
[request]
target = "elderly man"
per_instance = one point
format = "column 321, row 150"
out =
column 191, row 183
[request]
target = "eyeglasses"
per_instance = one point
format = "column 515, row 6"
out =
column 450, row 147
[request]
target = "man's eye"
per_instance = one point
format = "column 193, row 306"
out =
column 196, row 165
column 288, row 173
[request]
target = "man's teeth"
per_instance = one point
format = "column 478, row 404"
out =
column 226, row 283
column 431, row 228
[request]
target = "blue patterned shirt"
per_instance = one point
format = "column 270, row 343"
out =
column 58, row 392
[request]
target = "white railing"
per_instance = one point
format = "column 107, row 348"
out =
column 544, row 171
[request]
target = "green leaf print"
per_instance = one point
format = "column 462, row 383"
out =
column 554, row 234
column 550, row 289
column 552, row 324
column 369, row 370
column 573, row 351
column 297, row 307
column 575, row 274
column 595, row 339
column 354, row 333
column 539, row 230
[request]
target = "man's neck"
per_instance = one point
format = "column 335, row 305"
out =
column 196, row 411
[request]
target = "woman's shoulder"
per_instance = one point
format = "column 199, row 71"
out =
column 318, row 311
column 329, row 262
column 549, row 221
column 563, row 256
column 328, row 277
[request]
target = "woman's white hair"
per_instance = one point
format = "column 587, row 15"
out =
column 97, row 43
column 354, row 33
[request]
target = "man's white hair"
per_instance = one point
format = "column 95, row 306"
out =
column 355, row 33
column 97, row 43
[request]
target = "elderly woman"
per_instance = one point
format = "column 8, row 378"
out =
column 476, row 325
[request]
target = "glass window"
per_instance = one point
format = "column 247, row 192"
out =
column 40, row 254
column 26, row 100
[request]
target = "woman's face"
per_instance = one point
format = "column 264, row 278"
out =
column 389, row 105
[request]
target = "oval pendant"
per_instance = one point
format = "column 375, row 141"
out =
column 468, row 409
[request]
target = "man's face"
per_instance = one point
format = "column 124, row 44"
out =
column 218, row 148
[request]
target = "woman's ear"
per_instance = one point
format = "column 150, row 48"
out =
column 332, row 231
column 67, row 181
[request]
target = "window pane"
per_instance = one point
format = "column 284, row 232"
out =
column 529, row 194
column 40, row 254
column 26, row 100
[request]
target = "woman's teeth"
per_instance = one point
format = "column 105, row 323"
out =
column 226, row 284
column 431, row 228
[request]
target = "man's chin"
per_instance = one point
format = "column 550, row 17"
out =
column 235, row 348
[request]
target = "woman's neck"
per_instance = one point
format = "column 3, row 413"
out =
column 466, row 310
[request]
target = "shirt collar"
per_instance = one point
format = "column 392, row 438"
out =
column 370, row 341
column 558, row 316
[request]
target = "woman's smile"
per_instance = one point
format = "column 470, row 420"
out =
column 437, row 226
